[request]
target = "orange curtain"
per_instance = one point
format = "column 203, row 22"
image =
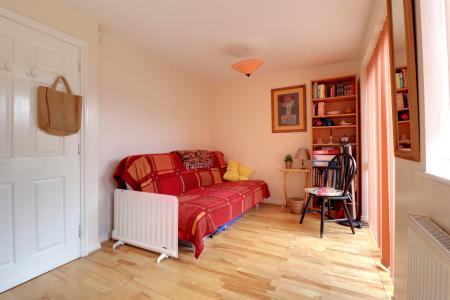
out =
column 380, row 149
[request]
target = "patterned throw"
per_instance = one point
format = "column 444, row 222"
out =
column 196, row 159
column 205, row 202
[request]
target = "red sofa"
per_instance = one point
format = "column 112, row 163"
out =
column 206, row 201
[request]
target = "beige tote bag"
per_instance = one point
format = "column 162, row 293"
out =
column 59, row 113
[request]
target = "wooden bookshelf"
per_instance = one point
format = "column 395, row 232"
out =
column 344, row 103
column 402, row 127
column 335, row 116
column 335, row 99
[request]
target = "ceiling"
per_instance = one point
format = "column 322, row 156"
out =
column 205, row 37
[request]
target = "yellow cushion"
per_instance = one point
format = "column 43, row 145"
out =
column 243, row 178
column 245, row 173
column 232, row 171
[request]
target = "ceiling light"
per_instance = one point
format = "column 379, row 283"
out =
column 247, row 67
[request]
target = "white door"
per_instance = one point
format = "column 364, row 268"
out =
column 39, row 173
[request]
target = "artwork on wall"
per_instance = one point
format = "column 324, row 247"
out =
column 289, row 109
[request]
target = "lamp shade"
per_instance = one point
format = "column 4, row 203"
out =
column 302, row 153
column 247, row 67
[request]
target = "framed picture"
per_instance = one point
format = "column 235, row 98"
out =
column 289, row 109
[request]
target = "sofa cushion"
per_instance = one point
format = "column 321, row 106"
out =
column 195, row 159
column 232, row 173
column 245, row 173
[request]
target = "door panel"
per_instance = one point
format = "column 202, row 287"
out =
column 6, row 224
column 5, row 114
column 39, row 173
column 49, row 205
column 29, row 140
column 47, row 60
column 6, row 48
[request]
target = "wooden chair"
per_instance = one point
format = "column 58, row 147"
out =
column 338, row 178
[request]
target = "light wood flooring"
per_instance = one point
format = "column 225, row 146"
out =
column 267, row 254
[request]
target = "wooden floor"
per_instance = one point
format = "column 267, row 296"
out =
column 265, row 255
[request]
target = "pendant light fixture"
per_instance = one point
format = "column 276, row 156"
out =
column 247, row 67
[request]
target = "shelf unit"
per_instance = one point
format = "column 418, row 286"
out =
column 403, row 127
column 346, row 109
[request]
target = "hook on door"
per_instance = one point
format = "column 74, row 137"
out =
column 5, row 67
column 32, row 73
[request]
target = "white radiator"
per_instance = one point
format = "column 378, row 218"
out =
column 428, row 260
column 146, row 220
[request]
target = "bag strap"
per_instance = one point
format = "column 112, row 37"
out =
column 64, row 80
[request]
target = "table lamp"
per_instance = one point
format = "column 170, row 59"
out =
column 302, row 154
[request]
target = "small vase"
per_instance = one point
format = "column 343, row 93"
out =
column 288, row 164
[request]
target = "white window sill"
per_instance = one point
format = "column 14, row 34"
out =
column 434, row 177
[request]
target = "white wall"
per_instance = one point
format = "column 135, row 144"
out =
column 243, row 125
column 65, row 18
column 417, row 193
column 146, row 106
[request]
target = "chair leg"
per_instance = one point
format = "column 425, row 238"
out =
column 305, row 208
column 322, row 217
column 348, row 216
column 329, row 209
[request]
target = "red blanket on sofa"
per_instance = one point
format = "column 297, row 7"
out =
column 205, row 201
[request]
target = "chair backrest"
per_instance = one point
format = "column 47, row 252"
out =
column 340, row 172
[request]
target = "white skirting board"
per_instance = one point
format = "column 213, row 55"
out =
column 146, row 220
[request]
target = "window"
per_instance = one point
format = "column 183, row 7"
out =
column 435, row 44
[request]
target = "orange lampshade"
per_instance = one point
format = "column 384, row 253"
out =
column 247, row 67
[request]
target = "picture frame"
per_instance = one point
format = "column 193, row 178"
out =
column 289, row 109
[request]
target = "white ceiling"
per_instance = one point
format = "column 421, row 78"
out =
column 206, row 36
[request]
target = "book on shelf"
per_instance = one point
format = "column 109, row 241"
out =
column 348, row 89
column 326, row 151
column 400, row 79
column 339, row 89
column 405, row 100
column 399, row 101
column 404, row 73
column 321, row 91
column 315, row 90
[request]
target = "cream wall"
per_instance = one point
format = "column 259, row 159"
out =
column 146, row 106
column 416, row 192
column 65, row 18
column 242, row 123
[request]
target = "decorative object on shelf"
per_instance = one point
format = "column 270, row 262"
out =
column 288, row 161
column 348, row 110
column 333, row 112
column 344, row 139
column 247, row 67
column 317, row 122
column 302, row 155
column 345, row 123
column 289, row 109
column 330, row 141
column 404, row 116
column 323, row 122
column 321, row 109
column 405, row 138
column 328, row 122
